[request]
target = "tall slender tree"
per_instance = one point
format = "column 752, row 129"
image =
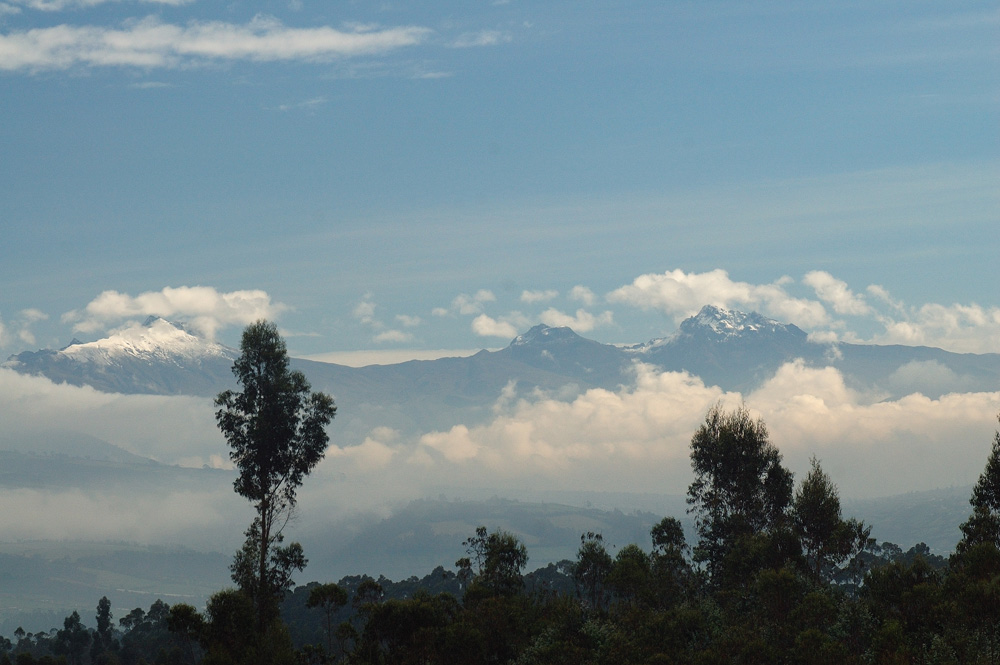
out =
column 276, row 430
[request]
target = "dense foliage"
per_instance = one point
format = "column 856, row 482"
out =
column 777, row 576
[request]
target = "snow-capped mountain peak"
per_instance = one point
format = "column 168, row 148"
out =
column 157, row 339
column 728, row 322
column 543, row 334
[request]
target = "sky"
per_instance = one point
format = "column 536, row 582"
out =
column 396, row 180
column 413, row 177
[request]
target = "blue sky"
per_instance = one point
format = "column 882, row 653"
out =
column 420, row 176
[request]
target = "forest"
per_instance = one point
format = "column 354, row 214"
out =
column 777, row 575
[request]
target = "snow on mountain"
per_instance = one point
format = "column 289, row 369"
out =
column 156, row 357
column 156, row 340
column 728, row 323
column 543, row 334
column 718, row 324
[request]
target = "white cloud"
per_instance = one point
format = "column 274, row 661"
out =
column 681, row 294
column 469, row 305
column 961, row 328
column 372, row 454
column 59, row 5
column 393, row 336
column 486, row 326
column 531, row 297
column 151, row 43
column 364, row 311
column 308, row 104
column 29, row 317
column 638, row 437
column 877, row 447
column 582, row 294
column 582, row 321
column 165, row 428
column 630, row 438
column 836, row 293
column 408, row 321
column 202, row 307
column 482, row 38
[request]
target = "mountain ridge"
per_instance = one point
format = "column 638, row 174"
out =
column 734, row 350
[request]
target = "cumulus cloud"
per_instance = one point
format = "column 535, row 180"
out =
column 639, row 437
column 531, row 297
column 836, row 292
column 202, row 307
column 149, row 43
column 963, row 328
column 469, row 305
column 582, row 294
column 486, row 326
column 582, row 321
column 679, row 294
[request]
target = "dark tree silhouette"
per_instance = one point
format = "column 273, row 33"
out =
column 275, row 427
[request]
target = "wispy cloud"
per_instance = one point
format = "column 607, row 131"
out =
column 306, row 105
column 59, row 5
column 203, row 307
column 408, row 321
column 481, row 38
column 151, row 43
column 151, row 85
column 364, row 312
column 582, row 321
column 532, row 297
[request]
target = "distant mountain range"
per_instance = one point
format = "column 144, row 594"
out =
column 733, row 350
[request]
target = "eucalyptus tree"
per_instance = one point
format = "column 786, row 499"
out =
column 276, row 430
column 740, row 495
